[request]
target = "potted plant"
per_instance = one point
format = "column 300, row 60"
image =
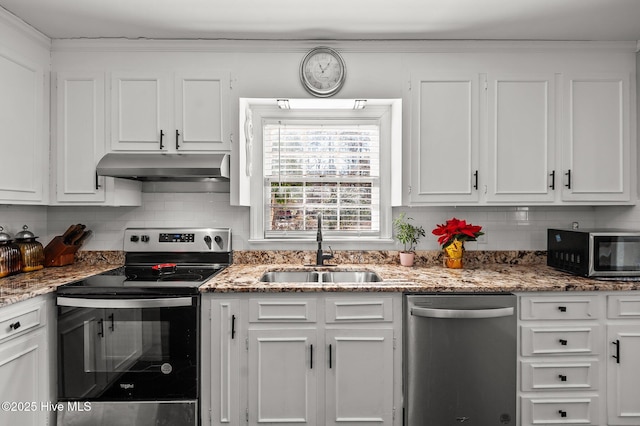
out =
column 451, row 236
column 408, row 235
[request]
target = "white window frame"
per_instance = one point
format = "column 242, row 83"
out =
column 386, row 113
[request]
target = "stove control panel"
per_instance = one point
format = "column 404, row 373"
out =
column 177, row 240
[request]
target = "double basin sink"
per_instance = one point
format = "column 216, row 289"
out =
column 320, row 277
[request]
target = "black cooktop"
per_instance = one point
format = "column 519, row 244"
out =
column 145, row 279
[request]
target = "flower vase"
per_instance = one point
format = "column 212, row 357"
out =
column 453, row 255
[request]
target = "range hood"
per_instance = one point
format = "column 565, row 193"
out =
column 166, row 167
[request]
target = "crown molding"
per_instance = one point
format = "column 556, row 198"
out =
column 11, row 20
column 356, row 46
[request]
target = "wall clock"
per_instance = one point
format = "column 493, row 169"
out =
column 322, row 71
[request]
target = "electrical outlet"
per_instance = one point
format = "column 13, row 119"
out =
column 482, row 239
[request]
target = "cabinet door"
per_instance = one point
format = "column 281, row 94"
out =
column 623, row 374
column 282, row 376
column 444, row 157
column 359, row 378
column 521, row 138
column 24, row 148
column 596, row 145
column 200, row 103
column 221, row 383
column 23, row 376
column 80, row 136
column 139, row 112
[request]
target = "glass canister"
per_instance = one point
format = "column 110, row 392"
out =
column 10, row 257
column 31, row 250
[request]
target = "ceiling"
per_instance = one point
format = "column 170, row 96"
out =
column 607, row 20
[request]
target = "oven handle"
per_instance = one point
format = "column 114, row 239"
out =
column 169, row 302
column 462, row 313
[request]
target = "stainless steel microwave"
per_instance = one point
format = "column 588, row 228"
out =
column 595, row 252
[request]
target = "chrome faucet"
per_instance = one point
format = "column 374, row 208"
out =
column 320, row 256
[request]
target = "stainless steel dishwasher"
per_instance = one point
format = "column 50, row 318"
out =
column 460, row 359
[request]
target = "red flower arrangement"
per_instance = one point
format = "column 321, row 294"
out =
column 455, row 229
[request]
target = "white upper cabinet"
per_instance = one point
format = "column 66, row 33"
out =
column 24, row 147
column 444, row 138
column 521, row 148
column 542, row 138
column 596, row 157
column 153, row 112
column 200, row 111
column 139, row 111
column 80, row 143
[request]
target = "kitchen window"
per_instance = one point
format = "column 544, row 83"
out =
column 321, row 166
column 342, row 162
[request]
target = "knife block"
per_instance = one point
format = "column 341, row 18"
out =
column 57, row 253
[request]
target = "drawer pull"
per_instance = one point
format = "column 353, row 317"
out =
column 562, row 308
column 562, row 413
column 563, row 342
column 15, row 325
column 617, row 355
column 562, row 377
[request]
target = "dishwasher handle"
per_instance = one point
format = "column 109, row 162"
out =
column 462, row 313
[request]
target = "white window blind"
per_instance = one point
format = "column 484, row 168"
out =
column 311, row 168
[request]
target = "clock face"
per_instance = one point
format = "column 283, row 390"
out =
column 322, row 72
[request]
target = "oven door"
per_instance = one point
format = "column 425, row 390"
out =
column 127, row 348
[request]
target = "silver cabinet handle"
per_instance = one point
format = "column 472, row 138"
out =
column 462, row 313
column 168, row 302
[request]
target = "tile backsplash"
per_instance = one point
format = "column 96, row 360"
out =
column 506, row 228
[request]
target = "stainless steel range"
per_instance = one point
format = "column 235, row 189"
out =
column 128, row 339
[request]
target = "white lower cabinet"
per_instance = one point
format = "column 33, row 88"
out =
column 283, row 376
column 623, row 362
column 26, row 364
column 359, row 376
column 561, row 359
column 299, row 359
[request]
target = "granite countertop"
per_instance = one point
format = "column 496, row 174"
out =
column 16, row 288
column 485, row 272
column 492, row 278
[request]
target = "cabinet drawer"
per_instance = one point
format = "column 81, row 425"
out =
column 340, row 310
column 20, row 318
column 546, row 376
column 575, row 411
column 620, row 307
column 282, row 310
column 559, row 308
column 568, row 340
